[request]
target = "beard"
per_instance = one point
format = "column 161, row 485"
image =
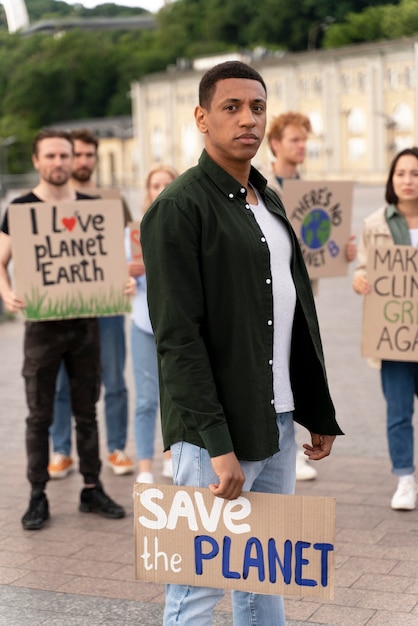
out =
column 82, row 174
column 58, row 178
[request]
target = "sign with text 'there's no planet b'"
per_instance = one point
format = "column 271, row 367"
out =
column 320, row 213
column 69, row 258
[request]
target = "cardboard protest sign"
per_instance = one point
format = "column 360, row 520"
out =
column 320, row 213
column 107, row 193
column 134, row 236
column 69, row 258
column 264, row 543
column 390, row 311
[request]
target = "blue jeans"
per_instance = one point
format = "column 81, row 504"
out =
column 144, row 361
column 186, row 604
column 112, row 357
column 400, row 386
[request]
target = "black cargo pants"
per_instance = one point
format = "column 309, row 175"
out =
column 46, row 344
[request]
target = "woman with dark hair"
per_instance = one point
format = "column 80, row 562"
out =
column 396, row 223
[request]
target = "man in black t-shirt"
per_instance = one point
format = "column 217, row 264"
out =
column 47, row 343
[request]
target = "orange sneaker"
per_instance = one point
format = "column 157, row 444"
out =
column 120, row 462
column 60, row 465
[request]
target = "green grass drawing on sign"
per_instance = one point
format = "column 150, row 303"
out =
column 38, row 307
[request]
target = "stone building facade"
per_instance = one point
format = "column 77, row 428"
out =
column 362, row 101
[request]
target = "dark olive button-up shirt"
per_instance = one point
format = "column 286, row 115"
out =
column 211, row 307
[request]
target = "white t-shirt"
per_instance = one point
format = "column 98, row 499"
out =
column 284, row 301
column 413, row 233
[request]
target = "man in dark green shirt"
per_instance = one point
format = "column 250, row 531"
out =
column 238, row 342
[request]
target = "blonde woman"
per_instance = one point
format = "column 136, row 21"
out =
column 144, row 355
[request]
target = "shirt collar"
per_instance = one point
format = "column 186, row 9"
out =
column 281, row 179
column 392, row 210
column 227, row 184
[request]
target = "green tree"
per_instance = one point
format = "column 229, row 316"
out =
column 61, row 80
column 374, row 24
column 46, row 79
column 245, row 23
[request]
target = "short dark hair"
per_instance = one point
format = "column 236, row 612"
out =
column 222, row 71
column 86, row 136
column 390, row 195
column 50, row 133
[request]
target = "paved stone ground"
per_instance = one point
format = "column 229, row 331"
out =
column 79, row 570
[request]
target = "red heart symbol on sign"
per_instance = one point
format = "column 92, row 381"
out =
column 69, row 222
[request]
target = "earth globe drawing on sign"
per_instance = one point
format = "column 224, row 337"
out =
column 316, row 229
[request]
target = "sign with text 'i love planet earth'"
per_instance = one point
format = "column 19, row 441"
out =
column 69, row 258
column 259, row 542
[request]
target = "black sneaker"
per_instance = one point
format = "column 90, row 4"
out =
column 95, row 500
column 37, row 512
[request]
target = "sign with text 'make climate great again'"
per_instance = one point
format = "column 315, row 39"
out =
column 264, row 543
column 320, row 213
column 69, row 258
column 390, row 311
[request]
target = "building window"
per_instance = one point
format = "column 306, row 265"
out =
column 356, row 121
column 356, row 148
column 409, row 76
column 277, row 89
column 346, row 82
column 392, row 78
column 189, row 143
column 112, row 169
column 361, row 82
column 318, row 84
column 304, row 86
column 402, row 142
column 313, row 149
column 315, row 118
column 403, row 117
column 157, row 144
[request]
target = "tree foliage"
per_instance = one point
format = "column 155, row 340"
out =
column 76, row 74
column 375, row 23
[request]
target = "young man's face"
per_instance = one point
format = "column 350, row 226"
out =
column 292, row 147
column 85, row 158
column 235, row 123
column 54, row 160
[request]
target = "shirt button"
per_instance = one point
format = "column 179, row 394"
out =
column 243, row 190
column 270, row 322
column 271, row 401
column 247, row 206
column 230, row 195
column 263, row 239
column 268, row 281
column 271, row 362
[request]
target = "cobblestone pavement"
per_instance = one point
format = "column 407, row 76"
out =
column 79, row 569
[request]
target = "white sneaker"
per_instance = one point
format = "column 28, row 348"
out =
column 304, row 471
column 405, row 497
column 167, row 468
column 145, row 477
